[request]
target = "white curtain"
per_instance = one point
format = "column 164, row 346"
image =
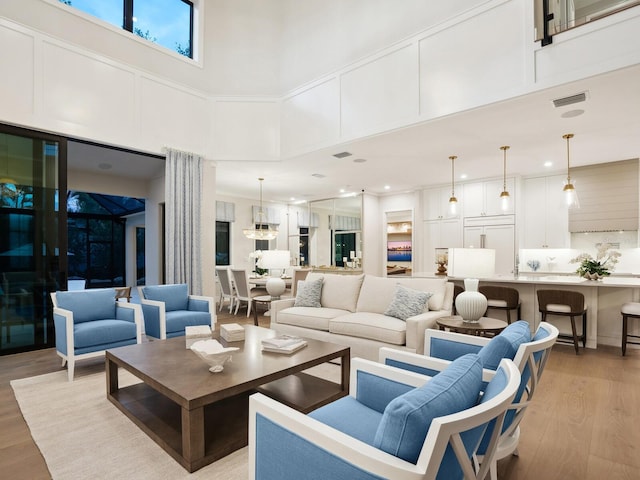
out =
column 183, row 184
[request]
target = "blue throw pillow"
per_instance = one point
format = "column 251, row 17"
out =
column 88, row 305
column 505, row 344
column 407, row 418
column 175, row 297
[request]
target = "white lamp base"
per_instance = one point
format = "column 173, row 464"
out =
column 276, row 287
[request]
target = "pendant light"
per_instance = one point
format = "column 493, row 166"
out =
column 255, row 231
column 570, row 194
column 453, row 201
column 505, row 199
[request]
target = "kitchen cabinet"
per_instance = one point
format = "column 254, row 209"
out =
column 446, row 233
column 500, row 238
column 483, row 198
column 546, row 215
column 436, row 203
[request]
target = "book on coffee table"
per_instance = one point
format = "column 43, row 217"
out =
column 283, row 344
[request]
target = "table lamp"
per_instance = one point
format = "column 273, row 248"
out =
column 471, row 264
column 276, row 261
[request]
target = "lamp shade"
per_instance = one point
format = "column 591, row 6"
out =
column 472, row 262
column 275, row 260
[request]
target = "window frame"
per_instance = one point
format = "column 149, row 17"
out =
column 196, row 28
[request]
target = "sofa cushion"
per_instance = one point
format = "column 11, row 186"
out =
column 377, row 292
column 349, row 416
column 309, row 317
column 308, row 293
column 407, row 302
column 102, row 332
column 407, row 418
column 505, row 344
column 89, row 305
column 175, row 297
column 373, row 326
column 341, row 291
column 436, row 286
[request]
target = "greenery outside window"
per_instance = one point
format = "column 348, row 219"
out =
column 168, row 23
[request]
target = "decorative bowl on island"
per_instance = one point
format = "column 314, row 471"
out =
column 213, row 353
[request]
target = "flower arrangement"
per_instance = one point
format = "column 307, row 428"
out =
column 257, row 257
column 601, row 266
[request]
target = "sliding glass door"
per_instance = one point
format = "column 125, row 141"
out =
column 33, row 244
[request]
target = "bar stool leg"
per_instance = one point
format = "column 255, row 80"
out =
column 509, row 317
column 575, row 334
column 584, row 330
column 624, row 334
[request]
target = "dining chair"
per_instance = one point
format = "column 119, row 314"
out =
column 227, row 291
column 244, row 293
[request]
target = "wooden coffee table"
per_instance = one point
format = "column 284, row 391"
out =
column 484, row 326
column 198, row 416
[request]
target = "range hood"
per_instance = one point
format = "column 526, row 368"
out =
column 609, row 197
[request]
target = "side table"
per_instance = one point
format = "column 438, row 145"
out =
column 259, row 300
column 486, row 326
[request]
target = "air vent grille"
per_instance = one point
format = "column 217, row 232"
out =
column 342, row 154
column 570, row 100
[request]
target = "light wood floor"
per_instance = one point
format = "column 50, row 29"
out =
column 583, row 423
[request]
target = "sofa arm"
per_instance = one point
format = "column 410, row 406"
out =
column 417, row 325
column 280, row 305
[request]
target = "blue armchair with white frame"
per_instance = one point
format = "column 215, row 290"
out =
column 529, row 353
column 88, row 322
column 168, row 309
column 394, row 424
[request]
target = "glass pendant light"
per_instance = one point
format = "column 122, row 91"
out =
column 257, row 230
column 453, row 201
column 505, row 199
column 570, row 193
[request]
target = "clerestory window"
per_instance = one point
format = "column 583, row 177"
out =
column 168, row 23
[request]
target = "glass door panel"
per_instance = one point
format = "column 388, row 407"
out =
column 30, row 246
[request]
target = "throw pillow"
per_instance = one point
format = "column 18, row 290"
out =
column 407, row 302
column 308, row 294
column 505, row 344
column 407, row 418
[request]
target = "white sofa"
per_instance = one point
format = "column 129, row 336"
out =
column 352, row 313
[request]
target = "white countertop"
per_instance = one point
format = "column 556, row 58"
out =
column 611, row 281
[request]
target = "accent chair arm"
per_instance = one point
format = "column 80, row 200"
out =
column 202, row 303
column 136, row 317
column 63, row 321
column 451, row 345
column 155, row 323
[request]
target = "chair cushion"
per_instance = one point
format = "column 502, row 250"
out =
column 631, row 308
column 407, row 302
column 372, row 326
column 406, row 420
column 102, row 332
column 308, row 293
column 89, row 305
column 505, row 344
column 175, row 297
column 178, row 319
column 351, row 417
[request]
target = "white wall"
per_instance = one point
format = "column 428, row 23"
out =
column 133, row 222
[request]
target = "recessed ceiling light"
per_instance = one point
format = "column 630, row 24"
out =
column 318, row 175
column 342, row 154
column 104, row 166
column 359, row 160
column 548, row 164
column 572, row 113
column 292, row 199
column 463, row 176
column 387, row 187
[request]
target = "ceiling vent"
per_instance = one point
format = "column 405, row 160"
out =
column 570, row 100
column 318, row 175
column 342, row 154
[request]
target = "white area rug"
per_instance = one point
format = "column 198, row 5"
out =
column 82, row 435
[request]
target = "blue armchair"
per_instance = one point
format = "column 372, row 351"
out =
column 394, row 424
column 88, row 322
column 168, row 309
column 529, row 354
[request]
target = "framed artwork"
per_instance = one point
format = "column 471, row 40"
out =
column 399, row 251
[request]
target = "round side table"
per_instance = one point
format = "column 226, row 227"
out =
column 260, row 300
column 484, row 327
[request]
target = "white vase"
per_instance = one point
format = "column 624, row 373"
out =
column 471, row 304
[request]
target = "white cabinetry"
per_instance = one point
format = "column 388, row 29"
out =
column 436, row 203
column 445, row 233
column 499, row 237
column 546, row 217
column 483, row 198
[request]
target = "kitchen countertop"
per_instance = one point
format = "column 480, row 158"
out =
column 611, row 281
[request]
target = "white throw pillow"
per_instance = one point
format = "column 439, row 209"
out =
column 407, row 302
column 308, row 293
